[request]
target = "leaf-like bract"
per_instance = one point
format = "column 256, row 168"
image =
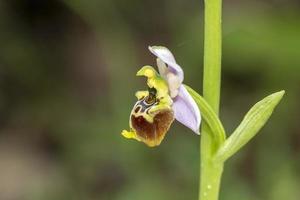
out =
column 209, row 117
column 253, row 121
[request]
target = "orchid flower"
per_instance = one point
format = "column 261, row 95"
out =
column 165, row 100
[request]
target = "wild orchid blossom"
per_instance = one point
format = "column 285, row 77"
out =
column 165, row 99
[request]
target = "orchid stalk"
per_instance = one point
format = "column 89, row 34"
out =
column 210, row 171
column 167, row 99
column 215, row 149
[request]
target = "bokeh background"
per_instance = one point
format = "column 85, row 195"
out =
column 67, row 83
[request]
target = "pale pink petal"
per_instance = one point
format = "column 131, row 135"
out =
column 167, row 57
column 186, row 110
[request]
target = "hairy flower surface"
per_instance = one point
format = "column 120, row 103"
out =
column 165, row 99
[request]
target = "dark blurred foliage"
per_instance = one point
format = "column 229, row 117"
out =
column 67, row 83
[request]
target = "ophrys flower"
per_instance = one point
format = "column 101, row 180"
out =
column 165, row 99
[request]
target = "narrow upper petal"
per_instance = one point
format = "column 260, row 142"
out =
column 186, row 110
column 167, row 57
column 174, row 84
column 162, row 68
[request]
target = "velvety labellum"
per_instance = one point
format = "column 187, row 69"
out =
column 149, row 123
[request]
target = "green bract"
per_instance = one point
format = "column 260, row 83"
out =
column 253, row 121
column 209, row 117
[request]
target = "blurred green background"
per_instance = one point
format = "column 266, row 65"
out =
column 67, row 83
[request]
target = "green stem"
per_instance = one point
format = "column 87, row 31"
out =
column 210, row 171
column 212, row 53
